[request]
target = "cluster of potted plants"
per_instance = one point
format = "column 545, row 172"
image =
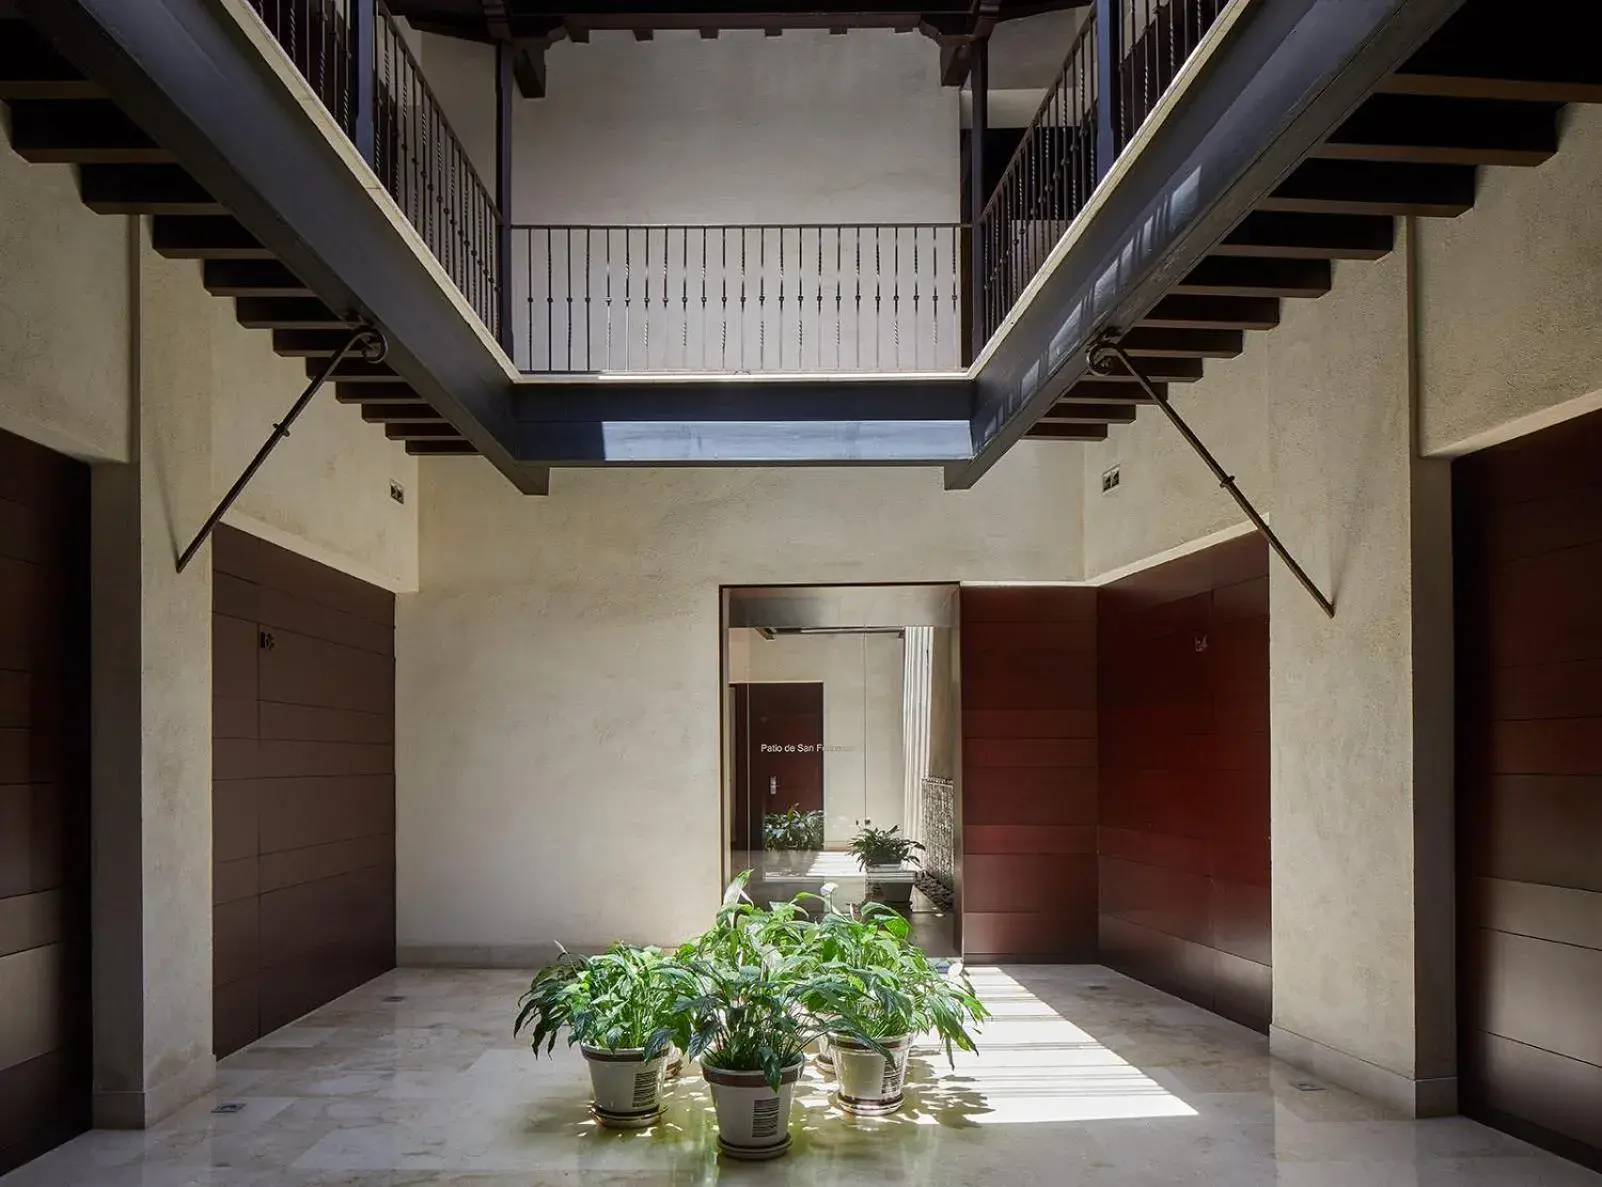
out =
column 748, row 999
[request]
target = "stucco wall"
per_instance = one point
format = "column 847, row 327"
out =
column 558, row 673
column 65, row 315
column 74, row 321
column 1362, row 887
column 861, row 677
column 1504, row 308
column 1510, row 290
column 805, row 128
column 745, row 128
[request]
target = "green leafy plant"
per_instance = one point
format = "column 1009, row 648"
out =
column 760, row 992
column 900, row 991
column 627, row 998
column 793, row 829
column 884, row 847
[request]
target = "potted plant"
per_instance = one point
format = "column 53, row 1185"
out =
column 620, row 1008
column 901, row 993
column 759, row 999
column 794, row 837
column 884, row 854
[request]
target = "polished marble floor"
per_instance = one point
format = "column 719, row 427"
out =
column 1084, row 1077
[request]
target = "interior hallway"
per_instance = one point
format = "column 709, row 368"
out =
column 1085, row 1077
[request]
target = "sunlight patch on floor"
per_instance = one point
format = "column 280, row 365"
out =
column 1033, row 1065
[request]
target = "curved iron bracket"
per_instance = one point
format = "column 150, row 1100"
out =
column 366, row 340
column 1101, row 356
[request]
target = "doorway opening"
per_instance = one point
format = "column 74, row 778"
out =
column 839, row 716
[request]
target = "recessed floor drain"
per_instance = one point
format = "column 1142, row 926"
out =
column 395, row 997
column 1307, row 1086
column 230, row 1106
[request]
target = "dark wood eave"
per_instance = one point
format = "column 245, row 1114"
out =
column 530, row 28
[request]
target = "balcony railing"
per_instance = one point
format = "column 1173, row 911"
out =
column 1074, row 137
column 833, row 297
column 353, row 55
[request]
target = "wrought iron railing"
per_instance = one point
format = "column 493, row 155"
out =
column 319, row 37
column 353, row 55
column 426, row 170
column 1156, row 38
column 1075, row 137
column 833, row 297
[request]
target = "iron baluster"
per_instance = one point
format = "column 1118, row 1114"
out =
column 859, row 297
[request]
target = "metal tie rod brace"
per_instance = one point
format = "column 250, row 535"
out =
column 373, row 349
column 1100, row 356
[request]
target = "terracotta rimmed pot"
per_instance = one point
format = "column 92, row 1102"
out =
column 869, row 1085
column 628, row 1087
column 753, row 1119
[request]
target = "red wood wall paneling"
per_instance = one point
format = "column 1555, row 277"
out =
column 1183, row 805
column 1528, row 553
column 303, row 785
column 45, row 1058
column 1026, row 878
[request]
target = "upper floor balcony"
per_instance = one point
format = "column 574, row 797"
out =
column 818, row 296
column 590, row 248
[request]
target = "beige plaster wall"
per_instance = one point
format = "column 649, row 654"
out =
column 1166, row 497
column 1508, row 337
column 1362, row 900
column 324, row 493
column 558, row 687
column 65, row 315
column 861, row 677
column 151, row 686
column 73, row 326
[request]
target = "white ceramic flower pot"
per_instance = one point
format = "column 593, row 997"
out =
column 753, row 1119
column 825, row 1056
column 890, row 885
column 869, row 1084
column 675, row 1063
column 628, row 1088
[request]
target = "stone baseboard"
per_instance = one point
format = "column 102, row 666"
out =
column 1434, row 1097
column 141, row 1110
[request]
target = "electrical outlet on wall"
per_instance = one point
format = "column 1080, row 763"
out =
column 397, row 491
column 1110, row 478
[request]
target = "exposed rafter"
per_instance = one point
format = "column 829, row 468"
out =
column 954, row 25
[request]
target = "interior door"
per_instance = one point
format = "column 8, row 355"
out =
column 778, row 754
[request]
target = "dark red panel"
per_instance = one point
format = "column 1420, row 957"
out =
column 45, row 1053
column 1527, row 520
column 304, row 788
column 1184, row 776
column 1027, row 872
